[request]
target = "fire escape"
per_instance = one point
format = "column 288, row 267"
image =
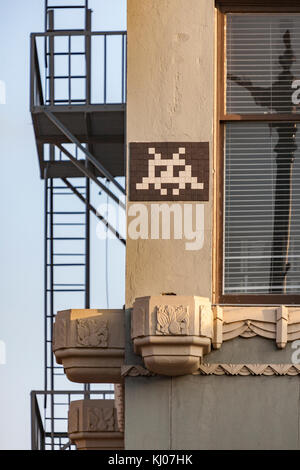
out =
column 79, row 127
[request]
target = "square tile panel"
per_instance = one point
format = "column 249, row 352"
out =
column 169, row 171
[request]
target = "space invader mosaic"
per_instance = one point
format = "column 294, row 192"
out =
column 169, row 171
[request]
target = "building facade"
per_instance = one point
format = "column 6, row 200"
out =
column 196, row 69
column 209, row 356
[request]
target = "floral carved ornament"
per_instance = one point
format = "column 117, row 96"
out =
column 172, row 320
column 92, row 332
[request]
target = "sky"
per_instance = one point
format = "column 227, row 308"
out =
column 22, row 219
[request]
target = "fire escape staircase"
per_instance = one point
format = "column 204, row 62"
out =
column 80, row 140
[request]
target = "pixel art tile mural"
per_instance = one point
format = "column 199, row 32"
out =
column 169, row 171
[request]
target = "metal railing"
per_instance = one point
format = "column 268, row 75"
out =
column 36, row 89
column 37, row 427
column 51, row 431
column 79, row 68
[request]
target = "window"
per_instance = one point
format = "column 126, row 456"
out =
column 258, row 180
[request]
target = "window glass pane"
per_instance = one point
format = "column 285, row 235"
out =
column 263, row 63
column 262, row 208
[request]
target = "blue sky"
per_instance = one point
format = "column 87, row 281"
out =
column 21, row 235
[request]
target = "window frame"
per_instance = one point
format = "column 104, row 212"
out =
column 222, row 8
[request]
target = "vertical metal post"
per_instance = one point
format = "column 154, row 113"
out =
column 123, row 68
column 32, row 73
column 124, row 83
column 33, row 422
column 51, row 236
column 88, row 39
column 88, row 44
column 88, row 28
column 105, row 60
column 69, row 69
column 87, row 244
column 46, row 208
column 46, row 15
column 87, row 260
column 51, row 61
column 37, row 430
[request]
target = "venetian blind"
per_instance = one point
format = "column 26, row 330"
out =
column 262, row 209
column 262, row 159
column 263, row 63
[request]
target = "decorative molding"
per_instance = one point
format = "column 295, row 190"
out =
column 92, row 333
column 280, row 323
column 172, row 320
column 206, row 320
column 220, row 323
column 136, row 371
column 227, row 369
column 249, row 369
column 282, row 327
column 167, row 334
column 101, row 419
column 218, row 327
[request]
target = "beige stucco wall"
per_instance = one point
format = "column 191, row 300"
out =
column 170, row 98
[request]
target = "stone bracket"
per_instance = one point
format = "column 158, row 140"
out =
column 172, row 333
column 94, row 425
column 90, row 344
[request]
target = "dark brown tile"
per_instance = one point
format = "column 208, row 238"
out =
column 196, row 155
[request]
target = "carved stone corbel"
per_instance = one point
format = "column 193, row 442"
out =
column 172, row 333
column 90, row 344
column 93, row 425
